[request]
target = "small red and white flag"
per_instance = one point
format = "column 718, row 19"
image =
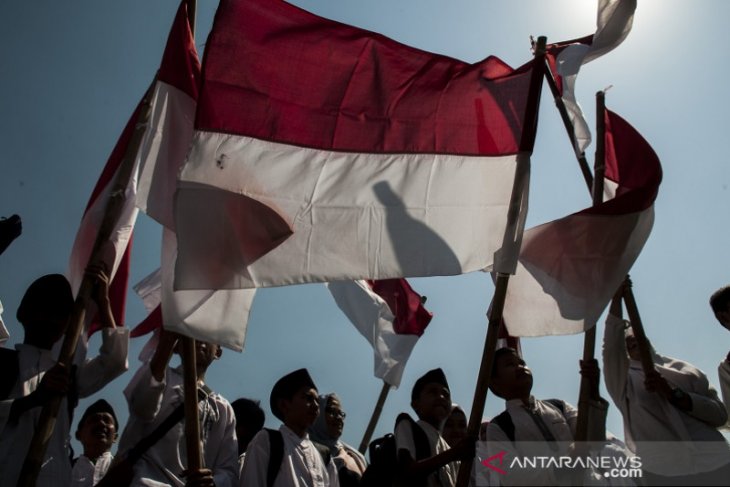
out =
column 615, row 18
column 390, row 315
column 570, row 268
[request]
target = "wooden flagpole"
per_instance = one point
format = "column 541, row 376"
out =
column 560, row 104
column 190, row 390
column 190, row 374
column 642, row 342
column 589, row 337
column 374, row 418
column 114, row 206
column 527, row 143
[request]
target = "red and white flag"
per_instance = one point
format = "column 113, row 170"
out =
column 214, row 316
column 390, row 314
column 615, row 18
column 324, row 152
column 570, row 268
column 116, row 252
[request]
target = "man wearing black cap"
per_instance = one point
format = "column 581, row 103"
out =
column 295, row 401
column 35, row 376
column 429, row 461
column 97, row 432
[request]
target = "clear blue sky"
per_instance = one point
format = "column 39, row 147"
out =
column 72, row 72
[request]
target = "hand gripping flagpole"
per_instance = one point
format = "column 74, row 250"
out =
column 527, row 142
column 374, row 418
column 114, row 206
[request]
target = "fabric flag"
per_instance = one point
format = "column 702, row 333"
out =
column 570, row 268
column 324, row 152
column 504, row 339
column 219, row 317
column 4, row 335
column 390, row 314
column 116, row 252
column 615, row 18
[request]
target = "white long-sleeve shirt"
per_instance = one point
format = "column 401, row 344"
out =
column 670, row 442
column 86, row 473
column 33, row 363
column 302, row 464
column 723, row 373
column 150, row 403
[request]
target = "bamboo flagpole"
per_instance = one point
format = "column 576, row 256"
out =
column 113, row 209
column 527, row 143
column 374, row 418
column 190, row 374
column 589, row 337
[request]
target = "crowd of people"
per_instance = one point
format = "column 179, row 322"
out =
column 672, row 416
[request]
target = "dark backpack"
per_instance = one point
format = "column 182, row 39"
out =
column 504, row 420
column 382, row 471
column 276, row 455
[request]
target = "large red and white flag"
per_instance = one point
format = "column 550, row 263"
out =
column 324, row 152
column 613, row 24
column 570, row 268
column 390, row 315
column 214, row 316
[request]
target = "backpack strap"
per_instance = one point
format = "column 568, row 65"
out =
column 276, row 455
column 423, row 448
column 9, row 364
column 504, row 421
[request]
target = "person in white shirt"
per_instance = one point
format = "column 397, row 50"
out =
column 153, row 394
column 250, row 419
column 294, row 401
column 720, row 304
column 431, row 400
column 671, row 415
column 44, row 312
column 97, row 432
column 531, row 427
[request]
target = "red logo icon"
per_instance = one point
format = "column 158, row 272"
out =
column 488, row 462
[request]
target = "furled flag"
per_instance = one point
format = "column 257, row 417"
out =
column 570, row 268
column 390, row 314
column 324, row 152
column 615, row 18
column 213, row 316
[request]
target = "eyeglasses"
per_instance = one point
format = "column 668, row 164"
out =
column 336, row 414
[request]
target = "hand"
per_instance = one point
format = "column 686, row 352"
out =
column 465, row 448
column 199, row 478
column 55, row 381
column 99, row 274
column 654, row 382
column 10, row 229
